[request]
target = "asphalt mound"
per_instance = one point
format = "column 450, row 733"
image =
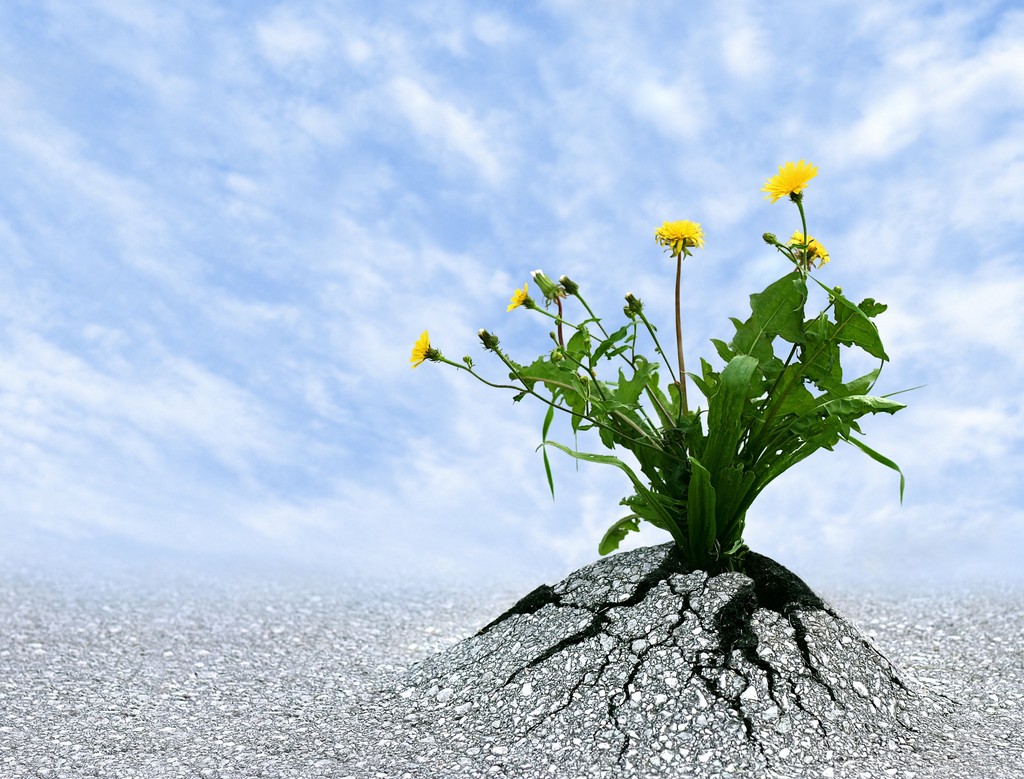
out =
column 635, row 666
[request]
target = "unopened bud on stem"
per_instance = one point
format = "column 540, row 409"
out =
column 570, row 286
column 550, row 290
column 489, row 340
column 633, row 306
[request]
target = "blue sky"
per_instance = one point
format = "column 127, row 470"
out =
column 223, row 225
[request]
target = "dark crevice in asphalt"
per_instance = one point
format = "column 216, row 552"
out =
column 770, row 587
column 530, row 603
column 736, row 634
column 539, row 598
column 800, row 635
column 613, row 706
column 785, row 593
column 580, row 681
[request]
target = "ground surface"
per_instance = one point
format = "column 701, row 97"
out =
column 229, row 677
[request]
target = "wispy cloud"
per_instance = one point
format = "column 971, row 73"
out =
column 222, row 228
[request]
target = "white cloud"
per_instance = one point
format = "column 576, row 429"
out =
column 286, row 39
column 939, row 86
column 744, row 47
column 676, row 109
column 494, row 29
column 442, row 125
column 216, row 269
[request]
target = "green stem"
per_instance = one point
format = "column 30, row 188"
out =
column 600, row 388
column 561, row 340
column 631, row 361
column 644, row 439
column 657, row 346
column 805, row 264
column 679, row 334
column 591, row 312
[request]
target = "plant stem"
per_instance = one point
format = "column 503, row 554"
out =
column 590, row 311
column 679, row 335
column 561, row 341
column 805, row 264
column 631, row 360
column 657, row 346
column 644, row 440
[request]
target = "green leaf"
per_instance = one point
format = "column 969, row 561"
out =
column 796, row 398
column 777, row 311
column 733, row 497
column 652, row 500
column 579, row 344
column 725, row 412
column 854, row 328
column 544, row 437
column 723, row 349
column 628, row 390
column 617, row 532
column 819, row 354
column 872, row 307
column 700, row 513
column 603, row 459
column 610, row 341
column 879, row 458
column 861, row 385
column 854, row 406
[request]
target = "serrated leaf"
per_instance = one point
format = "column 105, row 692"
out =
column 723, row 348
column 796, row 398
column 854, row 406
column 872, row 307
column 579, row 344
column 617, row 532
column 779, row 309
column 628, row 390
column 854, row 328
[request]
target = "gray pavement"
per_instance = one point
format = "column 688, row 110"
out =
column 143, row 676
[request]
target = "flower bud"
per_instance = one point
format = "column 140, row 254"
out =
column 489, row 340
column 547, row 286
column 468, row 360
column 769, row 239
column 570, row 286
column 633, row 306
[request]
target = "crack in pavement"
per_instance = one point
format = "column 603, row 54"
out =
column 542, row 597
column 613, row 707
column 758, row 650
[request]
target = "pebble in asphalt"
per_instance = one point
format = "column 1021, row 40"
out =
column 235, row 677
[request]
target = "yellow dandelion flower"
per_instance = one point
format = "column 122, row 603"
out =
column 520, row 298
column 421, row 350
column 815, row 251
column 679, row 236
column 791, row 178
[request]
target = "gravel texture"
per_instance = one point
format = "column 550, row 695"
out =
column 227, row 676
column 638, row 667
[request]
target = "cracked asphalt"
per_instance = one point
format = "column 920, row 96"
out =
column 613, row 675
